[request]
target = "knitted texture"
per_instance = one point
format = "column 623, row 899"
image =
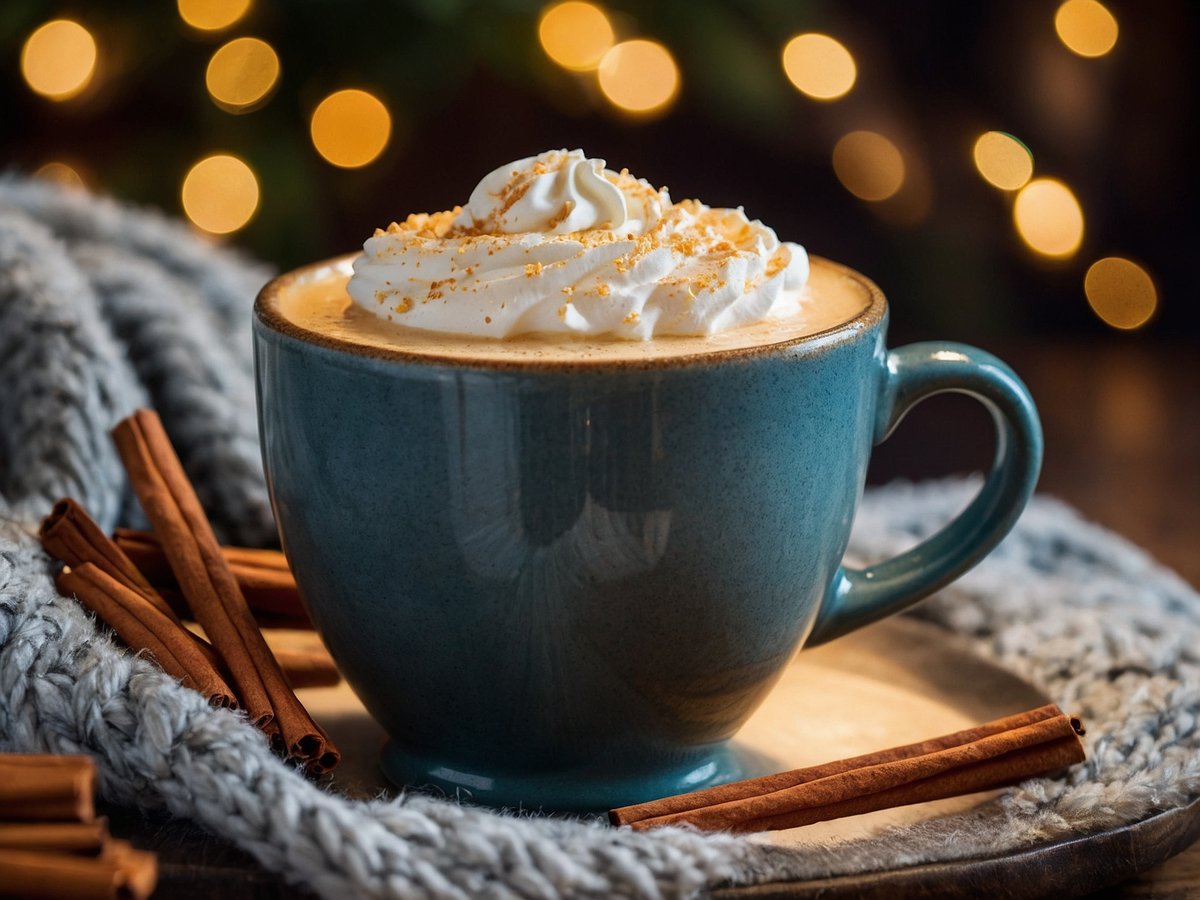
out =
column 104, row 309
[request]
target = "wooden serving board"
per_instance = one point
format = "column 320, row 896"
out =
column 896, row 682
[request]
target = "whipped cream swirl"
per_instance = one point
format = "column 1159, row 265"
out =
column 559, row 244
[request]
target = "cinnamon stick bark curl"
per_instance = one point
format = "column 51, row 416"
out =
column 992, row 755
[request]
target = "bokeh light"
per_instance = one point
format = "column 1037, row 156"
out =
column 62, row 173
column 59, row 59
column 220, row 194
column 212, row 15
column 1003, row 160
column 639, row 77
column 819, row 66
column 575, row 35
column 1049, row 218
column 241, row 74
column 868, row 165
column 1086, row 27
column 1120, row 292
column 350, row 128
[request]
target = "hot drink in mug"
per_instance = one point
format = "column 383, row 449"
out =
column 566, row 475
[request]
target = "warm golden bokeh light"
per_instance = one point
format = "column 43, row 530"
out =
column 639, row 77
column 61, row 172
column 868, row 165
column 350, row 128
column 1086, row 27
column 575, row 35
column 819, row 66
column 1120, row 292
column 220, row 194
column 59, row 59
column 1003, row 160
column 212, row 15
column 241, row 74
column 1049, row 218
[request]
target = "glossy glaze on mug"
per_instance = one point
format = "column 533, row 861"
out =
column 568, row 587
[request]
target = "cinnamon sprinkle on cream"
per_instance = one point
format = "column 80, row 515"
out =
column 559, row 217
column 663, row 253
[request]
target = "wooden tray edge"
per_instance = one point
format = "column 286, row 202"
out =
column 1067, row 868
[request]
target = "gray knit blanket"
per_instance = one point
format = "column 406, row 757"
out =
column 104, row 309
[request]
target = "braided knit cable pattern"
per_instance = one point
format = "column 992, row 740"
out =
column 207, row 401
column 225, row 279
column 64, row 377
column 103, row 309
column 178, row 311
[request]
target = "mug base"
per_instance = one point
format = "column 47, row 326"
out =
column 583, row 790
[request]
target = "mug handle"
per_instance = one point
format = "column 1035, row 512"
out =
column 858, row 597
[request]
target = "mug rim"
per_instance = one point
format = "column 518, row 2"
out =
column 268, row 315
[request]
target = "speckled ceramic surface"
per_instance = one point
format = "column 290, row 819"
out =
column 568, row 588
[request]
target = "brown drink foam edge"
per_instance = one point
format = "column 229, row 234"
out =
column 312, row 305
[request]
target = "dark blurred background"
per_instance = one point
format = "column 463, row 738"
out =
column 1021, row 175
column 467, row 86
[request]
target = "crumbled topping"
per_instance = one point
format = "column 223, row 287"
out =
column 427, row 225
column 699, row 249
column 559, row 217
column 514, row 189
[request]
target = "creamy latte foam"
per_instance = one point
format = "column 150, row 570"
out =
column 316, row 301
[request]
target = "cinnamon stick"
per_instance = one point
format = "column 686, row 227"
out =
column 77, row 838
column 143, row 626
column 212, row 591
column 114, row 585
column 263, row 575
column 121, row 873
column 1003, row 752
column 70, row 535
column 40, row 787
column 138, row 868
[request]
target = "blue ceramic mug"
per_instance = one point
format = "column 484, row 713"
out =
column 567, row 586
